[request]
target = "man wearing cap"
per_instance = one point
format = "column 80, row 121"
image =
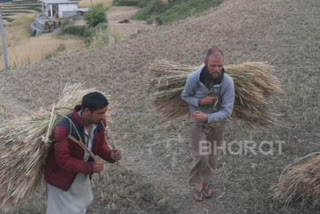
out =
column 69, row 166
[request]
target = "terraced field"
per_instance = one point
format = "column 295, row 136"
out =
column 15, row 8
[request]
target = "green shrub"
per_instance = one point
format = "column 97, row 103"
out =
column 143, row 3
column 125, row 2
column 96, row 15
column 82, row 31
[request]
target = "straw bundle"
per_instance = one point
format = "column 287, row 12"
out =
column 24, row 145
column 254, row 84
column 300, row 182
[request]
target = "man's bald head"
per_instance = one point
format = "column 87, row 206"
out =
column 215, row 53
column 214, row 62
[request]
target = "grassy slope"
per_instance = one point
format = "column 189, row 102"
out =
column 173, row 11
column 20, row 14
column 20, row 7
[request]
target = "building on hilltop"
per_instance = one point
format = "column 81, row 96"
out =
column 62, row 8
column 54, row 11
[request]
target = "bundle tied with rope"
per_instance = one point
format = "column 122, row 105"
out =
column 25, row 143
column 300, row 182
column 254, row 87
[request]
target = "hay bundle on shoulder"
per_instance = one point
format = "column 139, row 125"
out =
column 254, row 85
column 24, row 145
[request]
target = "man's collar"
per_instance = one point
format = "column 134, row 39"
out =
column 77, row 116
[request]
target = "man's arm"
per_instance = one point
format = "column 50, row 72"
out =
column 227, row 104
column 62, row 153
column 189, row 90
column 104, row 151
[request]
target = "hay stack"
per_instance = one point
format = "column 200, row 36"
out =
column 24, row 144
column 254, row 85
column 300, row 182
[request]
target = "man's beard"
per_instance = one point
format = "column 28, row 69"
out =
column 210, row 80
column 97, row 122
column 210, row 77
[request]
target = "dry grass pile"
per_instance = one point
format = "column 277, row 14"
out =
column 92, row 3
column 254, row 85
column 301, row 182
column 39, row 48
column 25, row 142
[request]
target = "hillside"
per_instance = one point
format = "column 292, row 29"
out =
column 283, row 33
column 168, row 11
column 15, row 8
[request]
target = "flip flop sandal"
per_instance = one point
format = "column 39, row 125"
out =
column 208, row 191
column 198, row 195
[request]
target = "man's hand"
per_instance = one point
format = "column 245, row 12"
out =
column 98, row 166
column 207, row 101
column 200, row 116
column 116, row 154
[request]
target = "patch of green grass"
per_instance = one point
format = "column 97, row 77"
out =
column 82, row 31
column 28, row 1
column 173, row 11
column 12, row 7
column 143, row 3
column 16, row 13
column 125, row 2
column 8, row 19
column 25, row 2
column 60, row 49
column 21, row 7
column 94, row 37
column 23, row 21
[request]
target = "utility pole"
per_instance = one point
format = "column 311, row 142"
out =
column 3, row 38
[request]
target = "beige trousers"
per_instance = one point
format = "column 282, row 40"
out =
column 204, row 139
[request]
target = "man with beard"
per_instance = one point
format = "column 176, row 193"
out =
column 69, row 166
column 210, row 94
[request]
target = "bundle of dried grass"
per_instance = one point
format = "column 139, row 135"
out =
column 24, row 144
column 301, row 182
column 254, row 84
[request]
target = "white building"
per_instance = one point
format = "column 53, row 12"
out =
column 62, row 8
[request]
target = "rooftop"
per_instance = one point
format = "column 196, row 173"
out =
column 59, row 2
